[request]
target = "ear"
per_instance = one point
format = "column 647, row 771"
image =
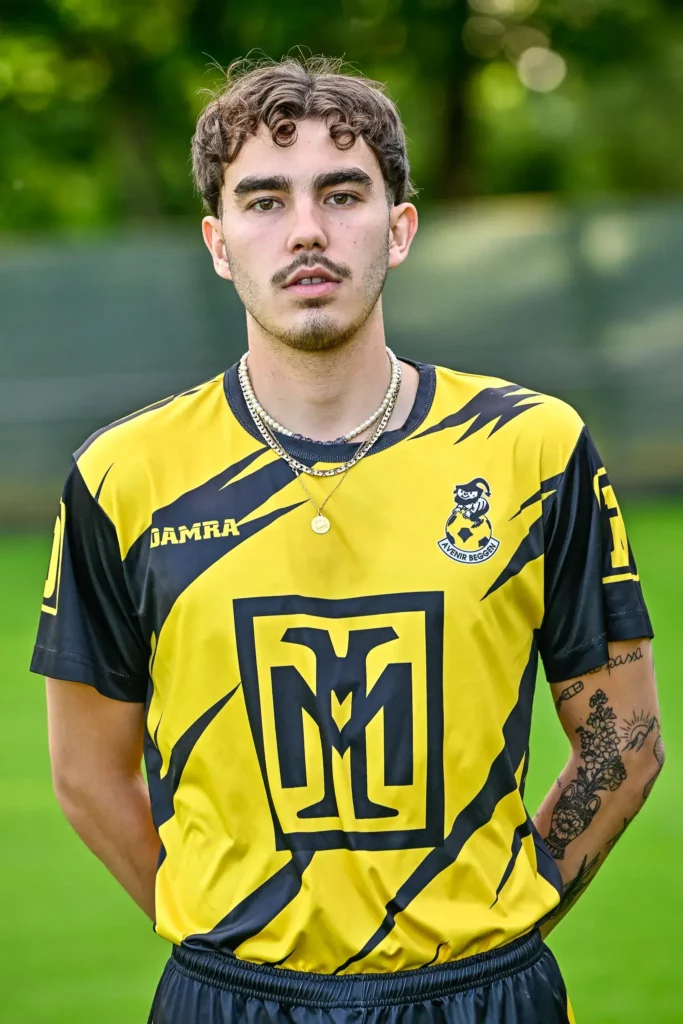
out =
column 212, row 231
column 402, row 228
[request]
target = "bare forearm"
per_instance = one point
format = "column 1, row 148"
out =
column 115, row 822
column 615, row 760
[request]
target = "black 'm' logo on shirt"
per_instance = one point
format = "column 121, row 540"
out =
column 346, row 707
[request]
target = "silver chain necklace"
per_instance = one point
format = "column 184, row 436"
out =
column 320, row 524
column 278, row 428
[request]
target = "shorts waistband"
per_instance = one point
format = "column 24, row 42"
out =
column 302, row 988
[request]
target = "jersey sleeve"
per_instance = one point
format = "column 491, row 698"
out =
column 592, row 587
column 89, row 631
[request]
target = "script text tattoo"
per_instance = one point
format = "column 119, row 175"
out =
column 619, row 661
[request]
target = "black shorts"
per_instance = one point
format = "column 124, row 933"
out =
column 516, row 984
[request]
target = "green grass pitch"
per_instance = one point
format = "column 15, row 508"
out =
column 75, row 949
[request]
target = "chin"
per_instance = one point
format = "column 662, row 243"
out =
column 317, row 333
column 316, row 338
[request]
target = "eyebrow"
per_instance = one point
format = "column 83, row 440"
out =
column 282, row 183
column 345, row 175
column 260, row 183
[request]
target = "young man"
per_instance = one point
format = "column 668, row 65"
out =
column 315, row 588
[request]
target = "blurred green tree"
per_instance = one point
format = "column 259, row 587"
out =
column 98, row 97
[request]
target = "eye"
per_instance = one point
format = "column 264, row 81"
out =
column 264, row 205
column 340, row 199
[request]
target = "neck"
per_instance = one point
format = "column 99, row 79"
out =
column 326, row 394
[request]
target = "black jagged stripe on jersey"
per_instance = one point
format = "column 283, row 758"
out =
column 525, row 769
column 216, row 484
column 153, row 658
column 256, row 910
column 152, row 757
column 209, row 554
column 139, row 547
column 163, row 789
column 101, row 485
column 499, row 783
column 545, row 862
column 210, row 500
column 140, row 412
column 431, row 962
column 520, row 832
column 280, row 962
column 530, row 548
column 547, row 488
column 492, row 404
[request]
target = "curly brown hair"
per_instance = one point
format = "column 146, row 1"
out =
column 280, row 93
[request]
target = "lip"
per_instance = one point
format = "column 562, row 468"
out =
column 325, row 287
column 313, row 291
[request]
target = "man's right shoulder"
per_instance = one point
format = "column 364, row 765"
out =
column 147, row 459
column 151, row 427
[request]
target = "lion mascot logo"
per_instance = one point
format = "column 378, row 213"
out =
column 468, row 533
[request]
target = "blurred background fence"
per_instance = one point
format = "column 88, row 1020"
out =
column 544, row 136
column 581, row 301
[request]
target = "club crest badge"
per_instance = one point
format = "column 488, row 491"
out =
column 468, row 533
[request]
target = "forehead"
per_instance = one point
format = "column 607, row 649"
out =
column 313, row 152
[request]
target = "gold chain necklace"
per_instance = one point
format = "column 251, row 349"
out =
column 319, row 524
column 301, row 467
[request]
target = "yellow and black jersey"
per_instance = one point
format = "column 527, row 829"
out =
column 338, row 724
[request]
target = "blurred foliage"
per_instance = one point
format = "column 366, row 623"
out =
column 98, row 97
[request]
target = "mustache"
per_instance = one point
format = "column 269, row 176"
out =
column 340, row 270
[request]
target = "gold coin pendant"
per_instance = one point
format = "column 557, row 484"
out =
column 320, row 524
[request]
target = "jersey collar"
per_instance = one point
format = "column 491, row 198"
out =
column 311, row 451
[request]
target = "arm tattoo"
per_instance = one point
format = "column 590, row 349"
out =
column 648, row 785
column 602, row 769
column 659, row 755
column 611, row 843
column 575, row 887
column 618, row 661
column 571, row 691
column 635, row 730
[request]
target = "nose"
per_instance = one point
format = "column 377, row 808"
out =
column 307, row 230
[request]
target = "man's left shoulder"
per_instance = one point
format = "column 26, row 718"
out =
column 481, row 403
